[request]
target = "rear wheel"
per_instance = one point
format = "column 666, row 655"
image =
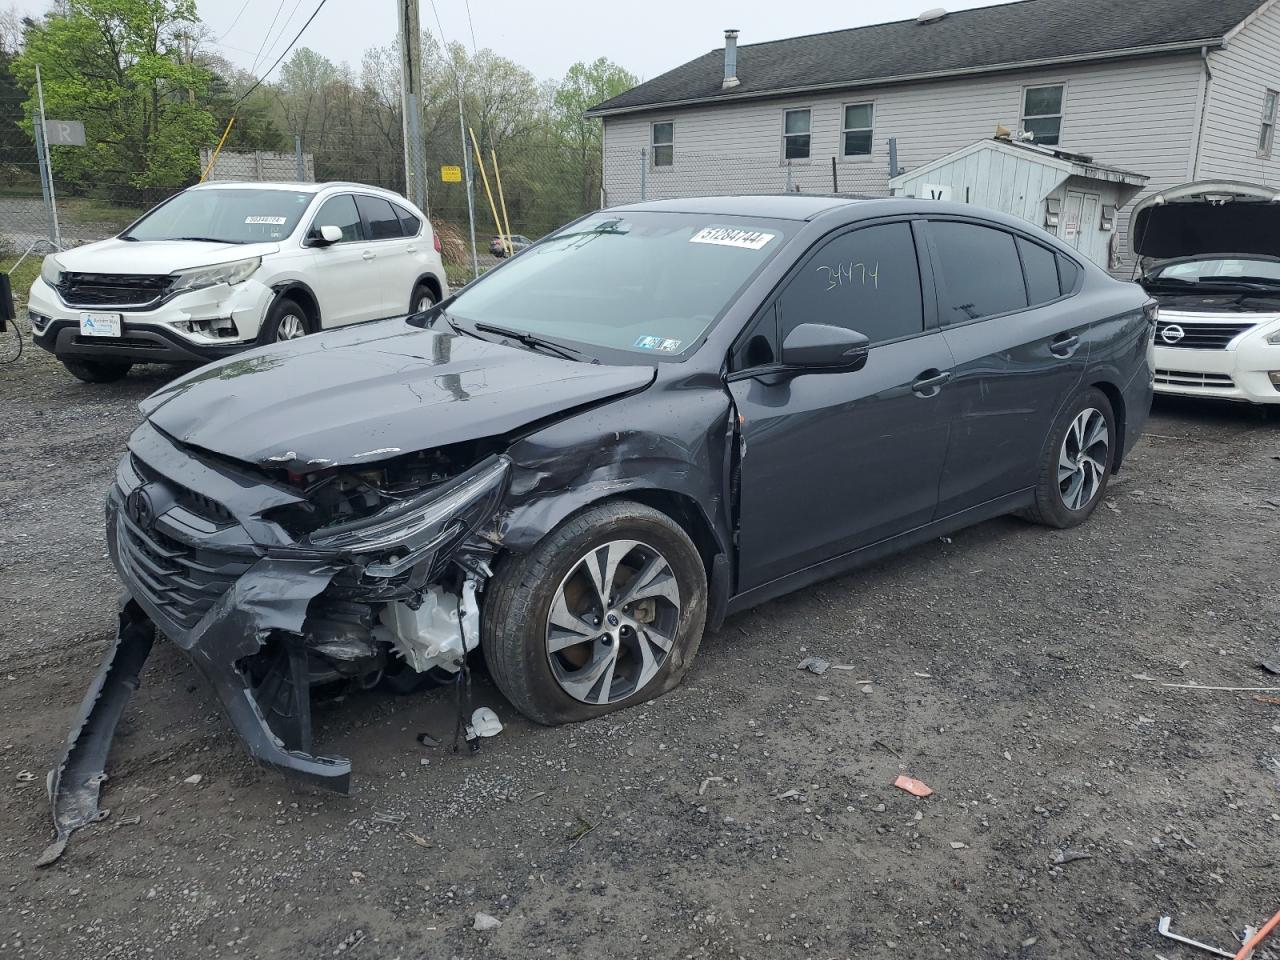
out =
column 606, row 612
column 1077, row 462
column 286, row 320
column 97, row 371
column 423, row 299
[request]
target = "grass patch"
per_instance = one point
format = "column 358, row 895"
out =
column 20, row 280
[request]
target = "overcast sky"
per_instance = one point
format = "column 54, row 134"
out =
column 544, row 35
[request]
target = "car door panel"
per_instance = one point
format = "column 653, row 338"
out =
column 386, row 248
column 344, row 274
column 1013, row 370
column 833, row 461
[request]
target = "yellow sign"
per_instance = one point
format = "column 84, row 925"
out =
column 451, row 174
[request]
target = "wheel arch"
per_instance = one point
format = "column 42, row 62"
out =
column 1115, row 397
column 432, row 283
column 303, row 295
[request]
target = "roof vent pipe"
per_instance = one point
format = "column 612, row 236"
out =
column 730, row 59
column 932, row 15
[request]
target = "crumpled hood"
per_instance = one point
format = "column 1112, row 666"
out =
column 372, row 392
column 156, row 256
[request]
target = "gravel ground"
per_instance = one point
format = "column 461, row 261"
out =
column 750, row 813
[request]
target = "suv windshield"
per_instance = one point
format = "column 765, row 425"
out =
column 229, row 215
column 641, row 282
column 1218, row 270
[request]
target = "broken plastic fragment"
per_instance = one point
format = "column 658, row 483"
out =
column 485, row 722
column 917, row 788
column 815, row 665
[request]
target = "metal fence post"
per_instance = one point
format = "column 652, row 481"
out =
column 46, row 167
column 788, row 176
column 299, row 164
column 893, row 157
column 644, row 173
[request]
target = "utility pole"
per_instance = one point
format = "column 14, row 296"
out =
column 415, row 163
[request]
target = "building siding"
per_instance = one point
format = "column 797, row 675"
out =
column 1242, row 73
column 1140, row 115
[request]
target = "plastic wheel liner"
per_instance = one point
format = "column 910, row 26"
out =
column 219, row 596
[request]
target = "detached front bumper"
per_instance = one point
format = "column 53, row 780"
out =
column 191, row 542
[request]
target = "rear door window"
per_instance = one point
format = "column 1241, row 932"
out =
column 1041, row 269
column 380, row 217
column 866, row 280
column 980, row 270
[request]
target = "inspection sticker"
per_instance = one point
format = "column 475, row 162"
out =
column 661, row 344
column 732, row 237
column 275, row 221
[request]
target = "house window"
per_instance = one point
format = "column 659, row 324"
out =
column 857, row 129
column 1267, row 136
column 1042, row 113
column 663, row 141
column 795, row 134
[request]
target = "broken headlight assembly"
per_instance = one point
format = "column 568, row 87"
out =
column 184, row 281
column 411, row 531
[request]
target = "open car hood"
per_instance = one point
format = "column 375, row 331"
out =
column 1207, row 217
column 373, row 392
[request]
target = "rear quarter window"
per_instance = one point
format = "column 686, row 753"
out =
column 1041, row 269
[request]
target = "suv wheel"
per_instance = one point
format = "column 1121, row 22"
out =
column 422, row 299
column 607, row 611
column 1077, row 462
column 97, row 371
column 286, row 320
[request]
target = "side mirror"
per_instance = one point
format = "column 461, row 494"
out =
column 326, row 235
column 819, row 347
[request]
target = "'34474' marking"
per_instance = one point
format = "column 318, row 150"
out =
column 843, row 273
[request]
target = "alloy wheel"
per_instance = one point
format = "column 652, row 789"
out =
column 1083, row 459
column 424, row 304
column 291, row 327
column 613, row 621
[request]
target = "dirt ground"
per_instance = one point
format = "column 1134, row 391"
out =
column 751, row 813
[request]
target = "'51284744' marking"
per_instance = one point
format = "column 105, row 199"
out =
column 843, row 273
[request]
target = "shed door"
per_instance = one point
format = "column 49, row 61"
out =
column 1081, row 216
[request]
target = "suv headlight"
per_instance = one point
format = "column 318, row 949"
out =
column 51, row 270
column 184, row 281
column 1274, row 338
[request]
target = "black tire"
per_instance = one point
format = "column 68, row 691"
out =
column 420, row 293
column 279, row 314
column 518, row 603
column 97, row 371
column 1050, row 508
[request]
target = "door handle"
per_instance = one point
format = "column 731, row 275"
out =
column 368, row 255
column 410, row 249
column 1064, row 345
column 930, row 383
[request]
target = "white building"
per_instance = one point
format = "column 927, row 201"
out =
column 1176, row 90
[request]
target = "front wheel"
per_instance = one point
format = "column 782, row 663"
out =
column 1076, row 462
column 606, row 612
column 286, row 320
column 97, row 371
column 422, row 299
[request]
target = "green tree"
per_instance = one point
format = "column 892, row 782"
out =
column 125, row 68
column 583, row 86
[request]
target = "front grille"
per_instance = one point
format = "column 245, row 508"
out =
column 181, row 580
column 1198, row 336
column 133, row 343
column 1183, row 378
column 113, row 289
column 197, row 503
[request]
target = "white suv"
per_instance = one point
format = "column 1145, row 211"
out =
column 222, row 267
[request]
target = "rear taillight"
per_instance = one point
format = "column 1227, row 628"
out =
column 435, row 241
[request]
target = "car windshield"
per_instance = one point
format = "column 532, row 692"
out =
column 1219, row 270
column 641, row 282
column 229, row 215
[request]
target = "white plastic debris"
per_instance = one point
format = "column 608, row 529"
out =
column 485, row 722
column 485, row 921
column 194, row 779
column 815, row 665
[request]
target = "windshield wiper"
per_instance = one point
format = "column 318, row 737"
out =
column 206, row 239
column 534, row 342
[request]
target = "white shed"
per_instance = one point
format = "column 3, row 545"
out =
column 1065, row 193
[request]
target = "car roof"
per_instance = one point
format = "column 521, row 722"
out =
column 295, row 185
column 790, row 206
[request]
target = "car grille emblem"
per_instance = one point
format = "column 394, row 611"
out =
column 140, row 508
column 1172, row 333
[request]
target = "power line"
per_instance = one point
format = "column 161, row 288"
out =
column 471, row 24
column 236, row 20
column 283, row 54
column 265, row 36
column 284, row 25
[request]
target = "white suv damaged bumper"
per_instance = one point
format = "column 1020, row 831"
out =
column 1229, row 356
column 190, row 327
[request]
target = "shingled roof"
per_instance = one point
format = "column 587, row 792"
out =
column 1002, row 37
